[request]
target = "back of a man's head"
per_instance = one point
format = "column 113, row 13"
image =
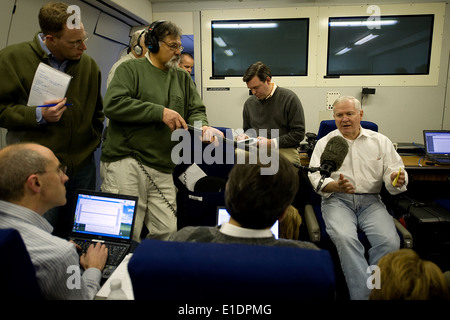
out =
column 17, row 162
column 256, row 200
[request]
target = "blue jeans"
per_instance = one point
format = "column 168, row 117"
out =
column 344, row 214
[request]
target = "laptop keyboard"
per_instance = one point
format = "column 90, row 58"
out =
column 115, row 252
column 443, row 160
column 440, row 159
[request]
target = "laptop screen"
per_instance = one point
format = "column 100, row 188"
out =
column 224, row 216
column 437, row 142
column 104, row 214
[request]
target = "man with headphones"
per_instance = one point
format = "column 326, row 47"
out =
column 137, row 49
column 146, row 100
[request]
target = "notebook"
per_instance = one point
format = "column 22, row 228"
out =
column 437, row 145
column 224, row 216
column 107, row 218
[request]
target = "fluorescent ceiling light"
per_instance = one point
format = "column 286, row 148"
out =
column 345, row 50
column 364, row 23
column 219, row 41
column 365, row 39
column 229, row 53
column 245, row 25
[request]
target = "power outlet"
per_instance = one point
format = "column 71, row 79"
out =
column 331, row 97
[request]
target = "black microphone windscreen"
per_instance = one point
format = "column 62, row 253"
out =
column 335, row 151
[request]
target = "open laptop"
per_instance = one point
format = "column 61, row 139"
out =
column 224, row 216
column 107, row 218
column 437, row 145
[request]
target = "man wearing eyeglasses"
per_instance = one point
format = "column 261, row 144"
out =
column 32, row 182
column 146, row 100
column 71, row 131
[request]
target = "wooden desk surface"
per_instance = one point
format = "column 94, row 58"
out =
column 421, row 162
column 419, row 170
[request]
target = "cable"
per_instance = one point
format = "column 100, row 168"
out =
column 418, row 145
column 10, row 22
column 420, row 160
column 423, row 149
column 169, row 205
column 136, row 157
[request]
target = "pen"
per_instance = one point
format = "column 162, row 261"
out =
column 52, row 105
column 394, row 183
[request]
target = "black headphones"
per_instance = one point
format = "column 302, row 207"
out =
column 151, row 40
column 137, row 48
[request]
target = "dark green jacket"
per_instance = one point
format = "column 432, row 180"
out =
column 76, row 136
column 134, row 104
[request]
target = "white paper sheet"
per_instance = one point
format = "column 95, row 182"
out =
column 190, row 177
column 48, row 84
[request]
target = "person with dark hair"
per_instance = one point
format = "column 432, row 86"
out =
column 403, row 275
column 272, row 108
column 32, row 182
column 255, row 202
column 146, row 100
column 72, row 132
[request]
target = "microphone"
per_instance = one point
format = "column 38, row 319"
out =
column 332, row 158
column 310, row 169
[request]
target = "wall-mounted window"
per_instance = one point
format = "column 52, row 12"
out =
column 326, row 45
column 285, row 39
column 389, row 45
column 386, row 45
column 281, row 44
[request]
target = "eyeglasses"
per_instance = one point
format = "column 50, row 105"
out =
column 173, row 46
column 78, row 43
column 62, row 170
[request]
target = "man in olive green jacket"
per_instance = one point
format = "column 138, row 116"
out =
column 71, row 131
column 146, row 100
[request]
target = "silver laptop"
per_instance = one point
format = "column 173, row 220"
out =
column 437, row 145
column 224, row 216
column 107, row 218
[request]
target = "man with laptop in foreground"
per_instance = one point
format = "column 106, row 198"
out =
column 32, row 182
column 255, row 202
